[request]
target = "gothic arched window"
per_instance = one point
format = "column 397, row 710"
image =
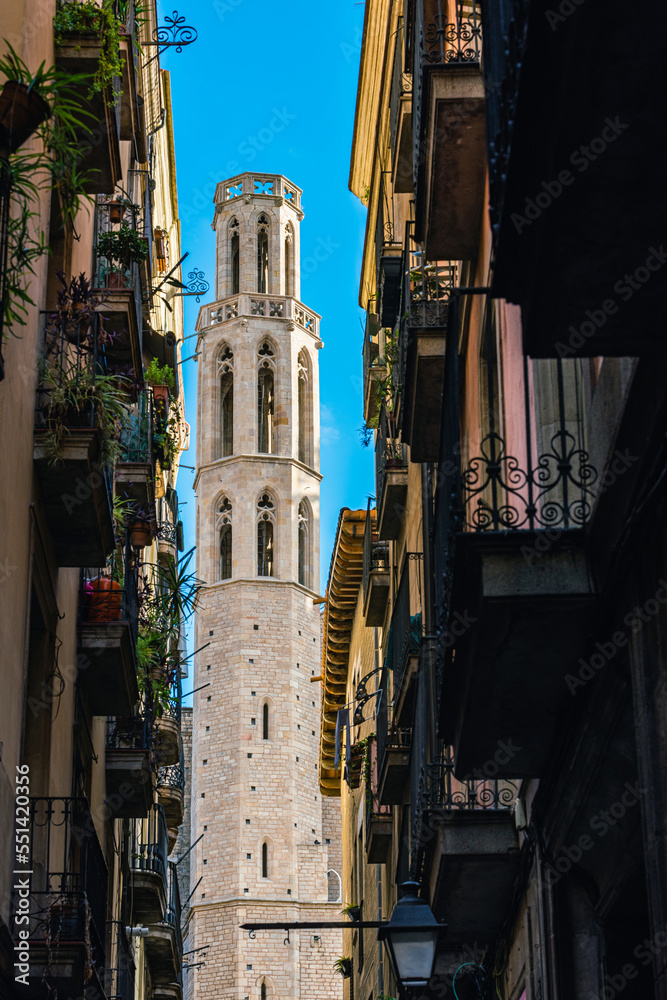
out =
column 262, row 991
column 289, row 252
column 226, row 374
column 265, row 721
column 234, row 255
column 265, row 874
column 265, row 399
column 304, row 544
column 263, row 254
column 224, row 523
column 266, row 509
column 305, row 414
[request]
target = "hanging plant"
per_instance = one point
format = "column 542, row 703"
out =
column 86, row 16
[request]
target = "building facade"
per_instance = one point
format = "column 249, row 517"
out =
column 506, row 609
column 92, row 602
column 264, row 837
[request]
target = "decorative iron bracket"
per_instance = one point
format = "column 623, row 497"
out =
column 173, row 33
column 197, row 285
column 361, row 696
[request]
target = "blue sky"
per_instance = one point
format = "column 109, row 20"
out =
column 294, row 64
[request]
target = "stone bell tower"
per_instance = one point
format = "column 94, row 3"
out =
column 268, row 838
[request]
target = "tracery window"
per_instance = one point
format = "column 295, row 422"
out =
column 226, row 375
column 224, row 524
column 266, row 510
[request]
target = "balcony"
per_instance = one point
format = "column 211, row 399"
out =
column 122, row 249
column 563, row 169
column 80, row 52
column 449, row 128
column 130, row 119
column 169, row 527
column 405, row 635
column 374, row 368
column 127, row 764
column 67, row 900
column 514, row 588
column 170, row 788
column 164, row 944
column 271, row 307
column 119, row 980
column 469, row 841
column 148, row 867
column 379, row 819
column 134, row 476
column 376, row 578
column 400, row 121
column 71, row 442
column 107, row 635
column 427, row 290
column 393, row 748
column 168, row 726
column 391, row 478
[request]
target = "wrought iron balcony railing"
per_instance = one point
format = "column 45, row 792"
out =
column 133, row 733
column 406, row 620
column 445, row 793
column 173, row 913
column 71, row 362
column 390, row 452
column 109, row 593
column 445, row 33
column 136, row 435
column 375, row 553
column 68, row 885
column 149, row 843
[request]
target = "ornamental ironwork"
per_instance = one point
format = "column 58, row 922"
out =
column 458, row 41
column 173, row 33
column 445, row 792
column 197, row 284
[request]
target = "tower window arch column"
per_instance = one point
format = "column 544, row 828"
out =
column 266, row 510
column 224, row 525
column 226, row 412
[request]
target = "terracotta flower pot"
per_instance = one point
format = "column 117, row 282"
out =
column 115, row 279
column 21, row 112
column 104, row 600
column 115, row 212
column 140, row 534
column 161, row 394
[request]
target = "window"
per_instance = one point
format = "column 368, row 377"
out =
column 289, row 238
column 226, row 375
column 234, row 255
column 262, row 991
column 265, row 721
column 263, row 255
column 265, row 522
column 265, row 399
column 304, row 546
column 224, row 523
column 305, row 422
column 265, row 864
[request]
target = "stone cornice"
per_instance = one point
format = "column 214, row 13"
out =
column 274, row 581
column 256, row 458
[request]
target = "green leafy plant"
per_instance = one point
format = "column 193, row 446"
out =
column 157, row 374
column 54, row 165
column 387, row 386
column 351, row 910
column 124, row 245
column 343, row 966
column 76, row 396
column 166, row 437
column 85, row 16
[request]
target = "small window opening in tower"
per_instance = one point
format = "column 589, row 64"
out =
column 265, row 871
column 263, row 255
column 265, row 722
column 234, row 250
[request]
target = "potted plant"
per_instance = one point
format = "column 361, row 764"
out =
column 161, row 378
column 160, row 237
column 343, row 966
column 353, row 911
column 166, row 439
column 120, row 248
column 86, row 17
column 75, row 311
column 76, row 396
column 23, row 106
column 103, row 599
column 140, row 523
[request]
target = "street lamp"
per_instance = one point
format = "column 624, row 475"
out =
column 411, row 936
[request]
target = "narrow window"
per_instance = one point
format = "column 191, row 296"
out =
column 265, row 722
column 265, row 405
column 264, row 548
column 235, row 254
column 265, row 874
column 303, row 545
column 288, row 261
column 226, row 375
column 224, row 516
column 263, row 255
column 304, row 415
